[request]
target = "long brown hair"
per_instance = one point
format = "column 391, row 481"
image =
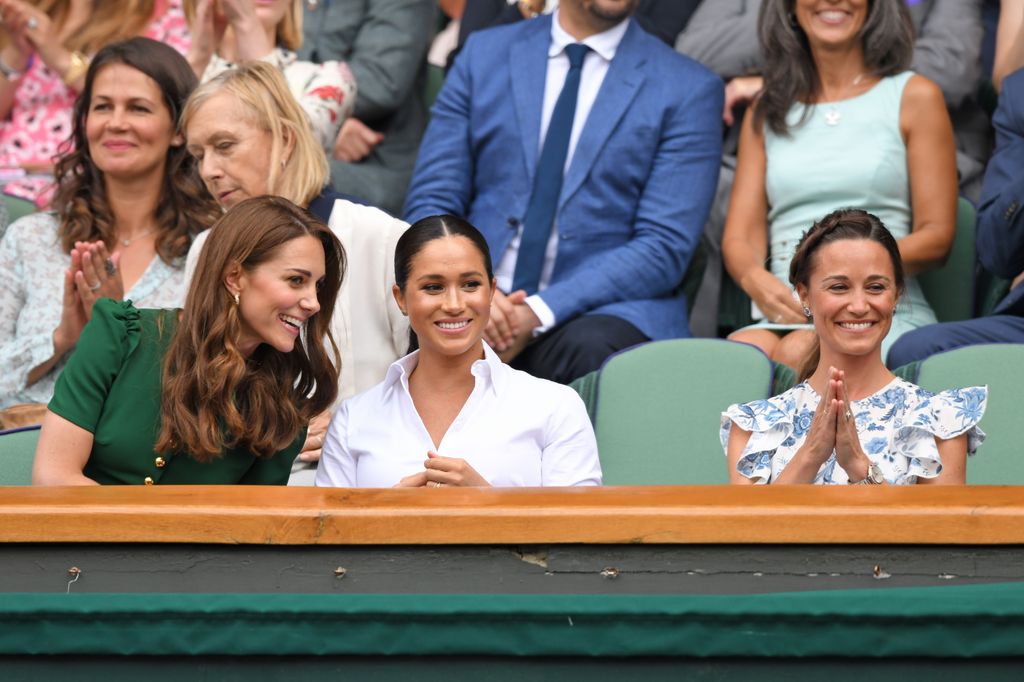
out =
column 790, row 74
column 184, row 209
column 108, row 21
column 843, row 223
column 214, row 397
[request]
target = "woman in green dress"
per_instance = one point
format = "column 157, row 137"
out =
column 219, row 392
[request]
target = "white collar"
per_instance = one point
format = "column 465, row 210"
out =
column 490, row 369
column 604, row 44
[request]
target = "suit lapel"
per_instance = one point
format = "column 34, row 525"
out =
column 620, row 86
column 528, row 65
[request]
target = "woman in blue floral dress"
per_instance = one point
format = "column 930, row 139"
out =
column 871, row 426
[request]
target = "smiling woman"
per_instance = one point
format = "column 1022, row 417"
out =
column 451, row 413
column 851, row 420
column 219, row 392
column 128, row 204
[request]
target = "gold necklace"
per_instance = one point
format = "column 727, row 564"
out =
column 832, row 115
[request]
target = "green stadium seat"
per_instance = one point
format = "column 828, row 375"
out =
column 659, row 406
column 17, row 450
column 1000, row 460
column 950, row 289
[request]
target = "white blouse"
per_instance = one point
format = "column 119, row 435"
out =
column 514, row 430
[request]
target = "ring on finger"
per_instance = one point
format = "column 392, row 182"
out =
column 95, row 287
column 848, row 414
column 32, row 23
column 110, row 267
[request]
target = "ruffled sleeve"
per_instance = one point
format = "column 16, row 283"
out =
column 772, row 423
column 106, row 342
column 943, row 415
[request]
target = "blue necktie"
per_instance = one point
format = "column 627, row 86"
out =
column 547, row 183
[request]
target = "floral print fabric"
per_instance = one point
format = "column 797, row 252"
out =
column 32, row 265
column 326, row 92
column 39, row 123
column 898, row 427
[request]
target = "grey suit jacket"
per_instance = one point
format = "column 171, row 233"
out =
column 385, row 43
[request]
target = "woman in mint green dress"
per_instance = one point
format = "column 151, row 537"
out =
column 840, row 123
column 219, row 392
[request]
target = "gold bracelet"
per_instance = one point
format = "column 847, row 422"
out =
column 77, row 67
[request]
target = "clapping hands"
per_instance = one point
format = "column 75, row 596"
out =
column 93, row 274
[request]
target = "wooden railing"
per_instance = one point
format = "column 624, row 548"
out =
column 971, row 515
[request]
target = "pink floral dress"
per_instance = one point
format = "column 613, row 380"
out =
column 39, row 123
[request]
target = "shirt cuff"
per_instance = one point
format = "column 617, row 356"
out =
column 543, row 313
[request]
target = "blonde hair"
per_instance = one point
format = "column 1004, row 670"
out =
column 289, row 29
column 108, row 22
column 263, row 91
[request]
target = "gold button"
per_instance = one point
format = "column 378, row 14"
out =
column 147, row 480
column 159, row 462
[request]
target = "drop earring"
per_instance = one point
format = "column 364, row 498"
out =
column 236, row 297
column 807, row 311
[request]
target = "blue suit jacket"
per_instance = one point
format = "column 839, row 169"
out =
column 636, row 194
column 1000, row 236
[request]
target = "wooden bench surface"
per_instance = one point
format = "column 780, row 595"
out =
column 970, row 515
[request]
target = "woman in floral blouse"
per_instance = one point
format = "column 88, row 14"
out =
column 229, row 32
column 871, row 426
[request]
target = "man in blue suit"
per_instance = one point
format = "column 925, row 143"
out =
column 1000, row 242
column 590, row 171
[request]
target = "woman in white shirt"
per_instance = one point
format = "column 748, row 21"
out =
column 451, row 413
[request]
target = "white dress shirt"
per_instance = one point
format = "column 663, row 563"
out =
column 595, row 67
column 514, row 430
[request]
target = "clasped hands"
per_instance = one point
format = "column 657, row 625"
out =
column 94, row 274
column 511, row 325
column 441, row 471
column 834, row 428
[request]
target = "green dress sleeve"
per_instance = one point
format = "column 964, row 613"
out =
column 107, row 340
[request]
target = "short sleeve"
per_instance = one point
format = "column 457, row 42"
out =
column 106, row 342
column 772, row 423
column 941, row 416
column 337, row 468
column 570, row 453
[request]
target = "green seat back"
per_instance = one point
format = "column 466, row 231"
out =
column 950, row 289
column 1000, row 460
column 17, row 450
column 432, row 85
column 659, row 406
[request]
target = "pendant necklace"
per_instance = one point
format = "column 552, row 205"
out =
column 832, row 113
column 128, row 242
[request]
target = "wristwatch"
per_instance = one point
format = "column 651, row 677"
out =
column 874, row 476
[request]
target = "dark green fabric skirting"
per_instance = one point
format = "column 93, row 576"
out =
column 955, row 621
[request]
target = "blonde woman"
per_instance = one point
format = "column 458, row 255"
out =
column 249, row 138
column 229, row 32
column 45, row 49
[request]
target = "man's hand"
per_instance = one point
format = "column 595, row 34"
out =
column 511, row 325
column 355, row 141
